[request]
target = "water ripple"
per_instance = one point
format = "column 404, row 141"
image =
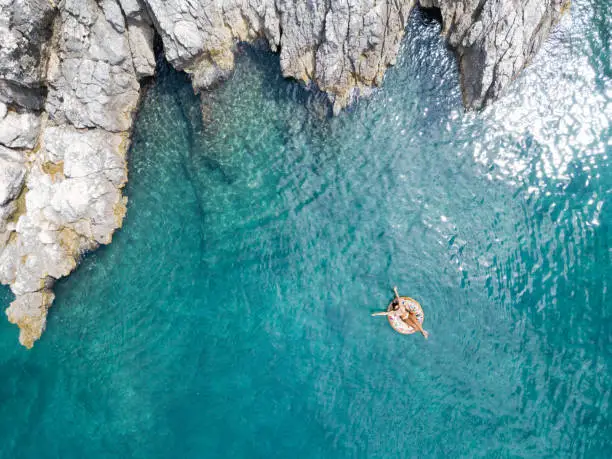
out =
column 231, row 315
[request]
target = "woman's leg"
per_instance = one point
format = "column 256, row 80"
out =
column 414, row 323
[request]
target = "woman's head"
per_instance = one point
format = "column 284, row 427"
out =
column 395, row 304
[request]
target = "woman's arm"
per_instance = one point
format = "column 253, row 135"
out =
column 396, row 294
column 381, row 314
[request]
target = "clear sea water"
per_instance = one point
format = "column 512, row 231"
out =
column 230, row 317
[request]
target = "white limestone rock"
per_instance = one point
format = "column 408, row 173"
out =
column 135, row 10
column 12, row 174
column 12, row 179
column 66, row 199
column 29, row 311
column 345, row 46
column 87, row 153
column 92, row 82
column 494, row 40
column 73, row 203
column 25, row 33
column 141, row 36
column 19, row 130
column 113, row 14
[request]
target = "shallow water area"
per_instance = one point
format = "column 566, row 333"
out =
column 230, row 317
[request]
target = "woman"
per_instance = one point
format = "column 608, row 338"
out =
column 407, row 311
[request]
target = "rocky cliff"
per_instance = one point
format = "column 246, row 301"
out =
column 68, row 92
column 70, row 77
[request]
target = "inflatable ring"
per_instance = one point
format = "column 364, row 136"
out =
column 398, row 324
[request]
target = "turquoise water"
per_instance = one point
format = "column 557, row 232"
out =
column 230, row 317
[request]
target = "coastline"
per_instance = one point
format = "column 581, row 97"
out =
column 71, row 86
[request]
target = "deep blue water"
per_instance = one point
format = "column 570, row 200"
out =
column 230, row 317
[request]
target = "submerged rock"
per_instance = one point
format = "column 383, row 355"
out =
column 69, row 88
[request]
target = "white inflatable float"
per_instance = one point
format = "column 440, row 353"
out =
column 398, row 324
